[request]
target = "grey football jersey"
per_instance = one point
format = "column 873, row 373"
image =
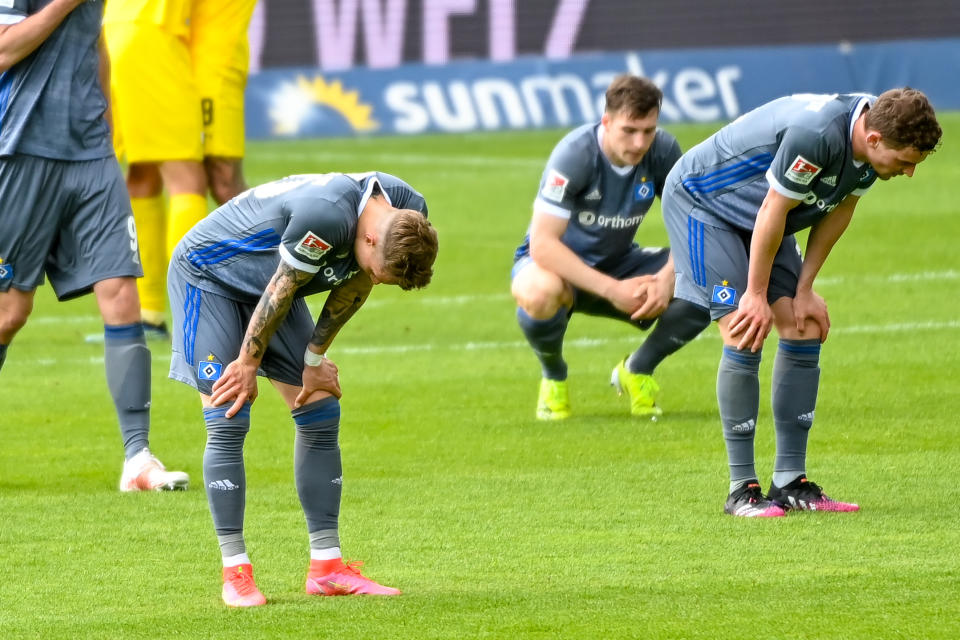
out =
column 799, row 145
column 51, row 102
column 604, row 204
column 308, row 221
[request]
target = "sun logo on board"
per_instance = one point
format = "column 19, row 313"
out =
column 293, row 104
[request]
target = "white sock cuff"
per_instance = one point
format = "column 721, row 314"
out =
column 325, row 554
column 232, row 561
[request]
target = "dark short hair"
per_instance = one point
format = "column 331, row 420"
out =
column 409, row 249
column 633, row 95
column 905, row 118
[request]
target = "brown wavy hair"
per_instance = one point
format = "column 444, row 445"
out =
column 905, row 118
column 409, row 249
column 633, row 95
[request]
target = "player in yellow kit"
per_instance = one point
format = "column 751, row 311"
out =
column 158, row 127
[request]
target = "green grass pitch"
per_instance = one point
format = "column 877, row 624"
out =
column 493, row 524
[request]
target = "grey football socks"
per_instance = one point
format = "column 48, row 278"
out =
column 127, row 361
column 224, row 475
column 681, row 322
column 317, row 470
column 738, row 396
column 796, row 379
column 546, row 339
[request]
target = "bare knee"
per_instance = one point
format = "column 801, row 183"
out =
column 143, row 180
column 15, row 308
column 541, row 300
column 118, row 300
column 184, row 176
column 224, row 177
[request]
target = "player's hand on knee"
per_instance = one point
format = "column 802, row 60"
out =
column 239, row 384
column 751, row 321
column 809, row 305
column 629, row 295
column 323, row 377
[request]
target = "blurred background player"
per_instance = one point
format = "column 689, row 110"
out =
column 158, row 127
column 237, row 284
column 65, row 211
column 579, row 254
column 220, row 54
column 732, row 205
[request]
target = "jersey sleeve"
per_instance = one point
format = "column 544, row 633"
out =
column 800, row 160
column 867, row 178
column 666, row 152
column 316, row 227
column 563, row 179
column 13, row 11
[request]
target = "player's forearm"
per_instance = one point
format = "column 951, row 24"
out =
column 823, row 236
column 554, row 256
column 19, row 40
column 270, row 312
column 339, row 307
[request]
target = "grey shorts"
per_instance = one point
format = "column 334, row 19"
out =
column 638, row 261
column 69, row 220
column 712, row 263
column 208, row 331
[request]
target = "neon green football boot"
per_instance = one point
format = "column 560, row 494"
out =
column 640, row 387
column 554, row 400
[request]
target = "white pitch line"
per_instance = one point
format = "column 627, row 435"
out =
column 581, row 343
column 922, row 276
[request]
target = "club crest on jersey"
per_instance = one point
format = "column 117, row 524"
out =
column 555, row 186
column 209, row 369
column 312, row 246
column 643, row 191
column 6, row 271
column 802, row 171
column 724, row 294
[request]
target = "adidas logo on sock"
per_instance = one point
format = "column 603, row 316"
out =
column 338, row 480
column 223, row 485
column 743, row 427
column 806, row 417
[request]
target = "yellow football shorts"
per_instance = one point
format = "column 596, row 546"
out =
column 156, row 106
column 221, row 57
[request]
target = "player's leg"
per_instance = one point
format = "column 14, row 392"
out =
column 680, row 323
column 97, row 251
column 15, row 308
column 795, row 384
column 186, row 182
column 716, row 276
column 32, row 201
column 158, row 118
column 145, row 187
column 543, row 310
column 317, row 467
column 207, row 332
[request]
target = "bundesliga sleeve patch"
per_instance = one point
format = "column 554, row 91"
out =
column 802, row 171
column 312, row 246
column 555, row 186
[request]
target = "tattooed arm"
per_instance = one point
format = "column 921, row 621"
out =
column 239, row 379
column 342, row 302
column 340, row 306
